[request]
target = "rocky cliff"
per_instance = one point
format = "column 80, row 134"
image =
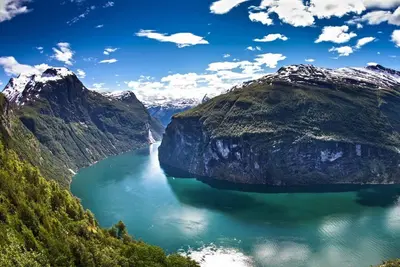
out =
column 300, row 126
column 73, row 125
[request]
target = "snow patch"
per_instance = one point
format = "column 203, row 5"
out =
column 26, row 82
column 327, row 155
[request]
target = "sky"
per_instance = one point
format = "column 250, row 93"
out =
column 171, row 50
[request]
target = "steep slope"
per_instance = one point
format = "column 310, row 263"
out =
column 302, row 125
column 42, row 224
column 78, row 126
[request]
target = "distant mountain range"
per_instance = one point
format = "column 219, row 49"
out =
column 299, row 126
column 76, row 126
column 163, row 109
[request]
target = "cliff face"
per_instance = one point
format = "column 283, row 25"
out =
column 75, row 125
column 300, row 126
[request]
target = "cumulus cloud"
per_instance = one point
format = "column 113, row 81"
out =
column 216, row 79
column 272, row 37
column 343, row 51
column 292, row 12
column 385, row 4
column 309, row 60
column 335, row 8
column 226, row 55
column 363, row 41
column 396, row 37
column 224, row 6
column 11, row 8
column 270, row 60
column 180, row 39
column 300, row 13
column 13, row 68
column 63, row 53
column 108, row 61
column 262, row 17
column 335, row 34
column 109, row 50
column 80, row 73
column 378, row 17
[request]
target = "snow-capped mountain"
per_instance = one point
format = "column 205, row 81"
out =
column 78, row 126
column 19, row 89
column 372, row 76
column 160, row 107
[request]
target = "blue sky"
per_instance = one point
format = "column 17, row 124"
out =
column 184, row 49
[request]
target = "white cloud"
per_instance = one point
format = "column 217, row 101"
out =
column 335, row 34
column 81, row 16
column 396, row 37
column 63, row 53
column 109, row 50
column 108, row 61
column 262, row 17
column 99, row 26
column 40, row 49
column 217, row 78
column 12, row 67
column 292, row 12
column 343, row 51
column 108, row 4
column 335, row 8
column 272, row 37
column 251, row 48
column 224, row 6
column 80, row 73
column 180, row 39
column 99, row 86
column 378, row 17
column 382, row 3
column 226, row 55
column 11, row 8
column 309, row 60
column 269, row 59
column 363, row 41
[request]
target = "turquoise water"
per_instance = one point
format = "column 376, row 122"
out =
column 232, row 228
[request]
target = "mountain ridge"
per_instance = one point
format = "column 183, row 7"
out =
column 301, row 125
column 76, row 125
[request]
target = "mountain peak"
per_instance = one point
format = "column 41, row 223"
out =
column 16, row 87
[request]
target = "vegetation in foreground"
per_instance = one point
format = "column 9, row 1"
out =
column 392, row 263
column 42, row 224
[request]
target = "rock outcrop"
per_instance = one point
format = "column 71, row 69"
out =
column 300, row 126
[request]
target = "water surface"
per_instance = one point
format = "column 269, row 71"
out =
column 232, row 228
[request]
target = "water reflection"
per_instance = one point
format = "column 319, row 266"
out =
column 234, row 228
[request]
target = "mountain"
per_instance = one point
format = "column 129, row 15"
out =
column 73, row 125
column 299, row 126
column 164, row 110
column 41, row 223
